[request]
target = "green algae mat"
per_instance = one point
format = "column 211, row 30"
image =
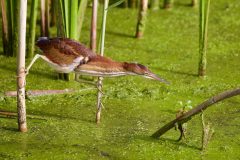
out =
column 63, row 126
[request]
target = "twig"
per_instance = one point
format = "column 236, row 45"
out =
column 199, row 108
column 44, row 92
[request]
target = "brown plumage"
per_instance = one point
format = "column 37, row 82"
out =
column 62, row 50
column 66, row 55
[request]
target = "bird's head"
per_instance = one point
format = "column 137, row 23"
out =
column 141, row 70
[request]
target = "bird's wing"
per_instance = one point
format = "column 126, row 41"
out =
column 64, row 51
column 100, row 64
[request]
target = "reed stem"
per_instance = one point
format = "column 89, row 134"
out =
column 100, row 79
column 32, row 29
column 203, row 26
column 142, row 18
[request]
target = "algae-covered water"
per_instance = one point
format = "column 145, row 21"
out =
column 63, row 126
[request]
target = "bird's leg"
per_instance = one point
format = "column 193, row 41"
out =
column 32, row 62
column 99, row 97
column 80, row 80
column 100, row 89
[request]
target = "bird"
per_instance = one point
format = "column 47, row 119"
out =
column 66, row 55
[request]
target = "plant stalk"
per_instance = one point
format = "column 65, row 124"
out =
column 73, row 19
column 154, row 5
column 100, row 79
column 10, row 27
column 203, row 26
column 32, row 29
column 45, row 18
column 167, row 4
column 5, row 35
column 194, row 3
column 80, row 16
column 93, row 38
column 21, row 105
column 142, row 18
column 15, row 13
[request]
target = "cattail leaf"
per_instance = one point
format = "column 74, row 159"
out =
column 32, row 29
column 80, row 17
column 66, row 16
column 204, row 8
column 73, row 19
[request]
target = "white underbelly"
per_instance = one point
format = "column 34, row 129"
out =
column 64, row 68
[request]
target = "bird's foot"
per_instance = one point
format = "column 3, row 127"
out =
column 26, row 71
column 100, row 90
column 102, row 105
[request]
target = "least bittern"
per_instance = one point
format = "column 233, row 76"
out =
column 66, row 55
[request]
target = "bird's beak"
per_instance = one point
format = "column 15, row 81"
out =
column 155, row 77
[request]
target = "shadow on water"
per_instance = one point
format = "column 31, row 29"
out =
column 45, row 117
column 169, row 111
column 120, row 34
column 13, row 115
column 113, row 33
column 178, row 143
column 10, row 129
column 177, row 72
column 61, row 116
column 7, row 117
column 95, row 150
column 43, row 74
column 11, row 68
column 169, row 141
column 32, row 72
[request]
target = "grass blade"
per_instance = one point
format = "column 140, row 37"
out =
column 115, row 4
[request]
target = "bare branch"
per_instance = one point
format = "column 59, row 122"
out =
column 198, row 109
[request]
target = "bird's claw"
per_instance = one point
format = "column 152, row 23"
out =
column 102, row 105
column 100, row 90
column 26, row 71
